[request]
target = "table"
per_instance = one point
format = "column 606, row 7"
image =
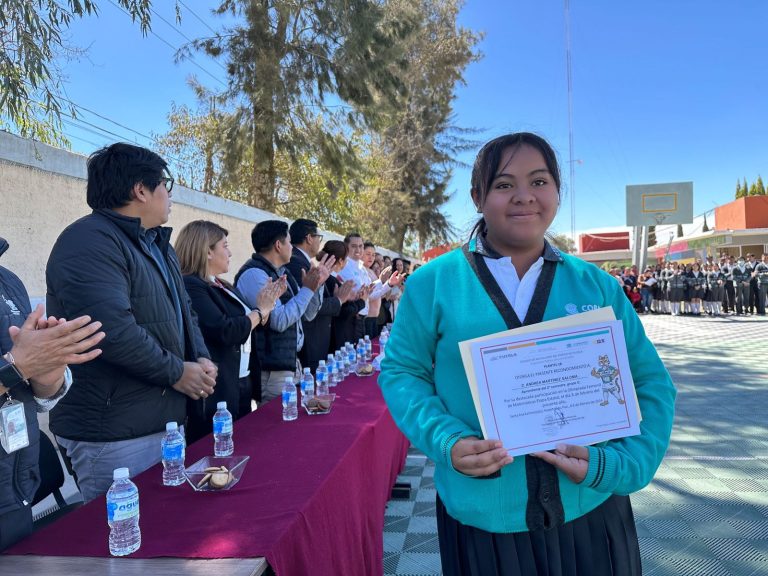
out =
column 311, row 500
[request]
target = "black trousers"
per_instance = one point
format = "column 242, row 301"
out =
column 359, row 328
column 15, row 526
column 600, row 543
column 729, row 300
column 372, row 327
column 754, row 296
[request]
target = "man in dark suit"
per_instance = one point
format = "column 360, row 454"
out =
column 317, row 332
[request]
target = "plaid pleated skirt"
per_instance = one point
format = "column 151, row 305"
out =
column 600, row 543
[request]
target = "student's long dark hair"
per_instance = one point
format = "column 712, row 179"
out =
column 487, row 166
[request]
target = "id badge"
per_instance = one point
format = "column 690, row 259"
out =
column 13, row 426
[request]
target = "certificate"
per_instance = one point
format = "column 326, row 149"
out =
column 570, row 384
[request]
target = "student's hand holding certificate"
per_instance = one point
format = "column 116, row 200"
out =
column 571, row 460
column 475, row 457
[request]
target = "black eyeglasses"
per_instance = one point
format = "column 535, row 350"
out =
column 168, row 181
column 320, row 236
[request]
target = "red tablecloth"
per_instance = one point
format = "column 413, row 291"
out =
column 311, row 499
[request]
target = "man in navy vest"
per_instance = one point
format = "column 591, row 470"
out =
column 277, row 344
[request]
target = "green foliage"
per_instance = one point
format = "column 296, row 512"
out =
column 31, row 38
column 352, row 129
column 759, row 187
column 562, row 242
column 418, row 144
column 288, row 63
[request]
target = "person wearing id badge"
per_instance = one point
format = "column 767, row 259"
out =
column 34, row 352
column 546, row 513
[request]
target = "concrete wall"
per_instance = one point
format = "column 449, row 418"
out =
column 743, row 213
column 42, row 190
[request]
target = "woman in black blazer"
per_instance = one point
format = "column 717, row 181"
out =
column 342, row 328
column 224, row 319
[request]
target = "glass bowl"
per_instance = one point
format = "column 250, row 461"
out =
column 364, row 369
column 326, row 399
column 196, row 474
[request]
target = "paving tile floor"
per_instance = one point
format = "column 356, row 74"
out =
column 706, row 511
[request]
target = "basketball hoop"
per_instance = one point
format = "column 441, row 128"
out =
column 660, row 217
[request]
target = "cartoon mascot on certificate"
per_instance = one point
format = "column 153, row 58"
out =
column 609, row 377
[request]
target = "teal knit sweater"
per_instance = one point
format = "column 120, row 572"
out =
column 426, row 389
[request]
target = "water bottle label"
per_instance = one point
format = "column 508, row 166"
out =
column 123, row 511
column 222, row 426
column 286, row 398
column 173, row 452
column 320, row 377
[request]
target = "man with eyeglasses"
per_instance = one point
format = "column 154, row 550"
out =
column 117, row 266
column 317, row 330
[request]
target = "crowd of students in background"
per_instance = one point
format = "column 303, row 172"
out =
column 715, row 287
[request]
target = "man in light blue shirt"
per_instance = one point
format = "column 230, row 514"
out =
column 277, row 344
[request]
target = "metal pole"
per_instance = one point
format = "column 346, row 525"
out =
column 571, row 175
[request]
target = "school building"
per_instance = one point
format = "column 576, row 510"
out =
column 739, row 228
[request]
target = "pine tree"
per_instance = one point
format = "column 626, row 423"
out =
column 741, row 190
column 760, row 186
column 288, row 64
column 753, row 189
column 652, row 235
column 679, row 230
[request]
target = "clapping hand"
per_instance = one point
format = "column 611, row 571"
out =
column 44, row 346
column 396, row 279
column 344, row 292
column 318, row 274
column 364, row 291
column 269, row 294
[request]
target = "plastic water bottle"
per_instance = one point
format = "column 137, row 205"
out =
column 123, row 514
column 173, row 446
column 351, row 358
column 330, row 362
column 340, row 364
column 335, row 377
column 383, row 339
column 290, row 404
column 368, row 348
column 307, row 386
column 321, row 374
column 222, row 431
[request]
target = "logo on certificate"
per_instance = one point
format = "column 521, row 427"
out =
column 609, row 378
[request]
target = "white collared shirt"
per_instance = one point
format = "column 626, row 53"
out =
column 245, row 348
column 519, row 291
column 356, row 271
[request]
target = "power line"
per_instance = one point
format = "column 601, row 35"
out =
column 187, row 38
column 203, row 22
column 171, row 46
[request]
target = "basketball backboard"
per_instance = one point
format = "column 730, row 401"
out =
column 655, row 204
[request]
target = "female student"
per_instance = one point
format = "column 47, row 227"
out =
column 560, row 512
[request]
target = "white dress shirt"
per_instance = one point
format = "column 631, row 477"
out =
column 519, row 291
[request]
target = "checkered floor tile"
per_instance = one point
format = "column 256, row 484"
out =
column 706, row 512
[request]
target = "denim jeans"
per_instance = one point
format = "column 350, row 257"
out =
column 94, row 462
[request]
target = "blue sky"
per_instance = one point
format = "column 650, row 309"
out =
column 662, row 91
